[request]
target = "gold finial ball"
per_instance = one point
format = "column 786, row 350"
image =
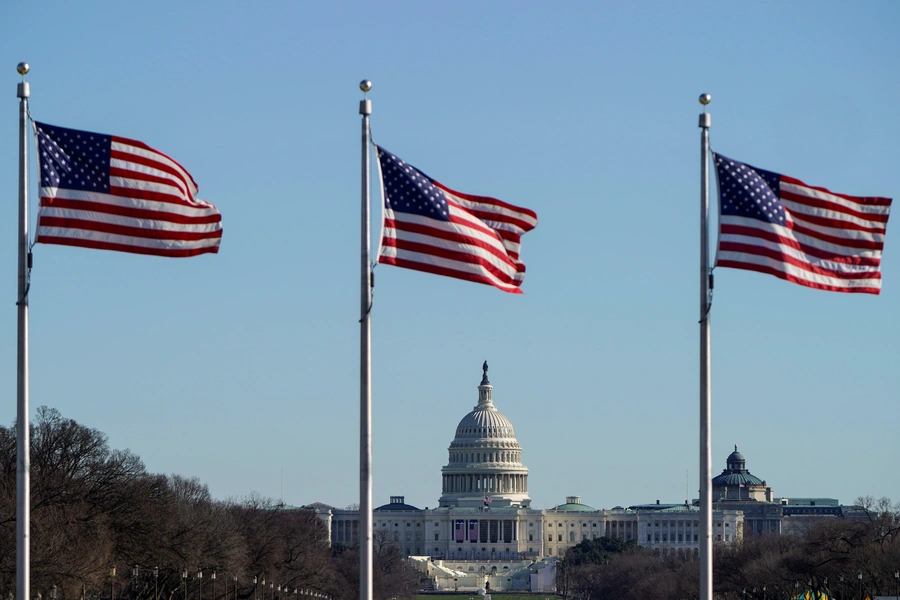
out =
column 22, row 68
column 705, row 99
column 365, row 85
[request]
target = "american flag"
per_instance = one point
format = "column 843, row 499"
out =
column 488, row 499
column 429, row 227
column 778, row 225
column 111, row 193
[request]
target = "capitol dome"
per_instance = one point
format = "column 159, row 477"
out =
column 485, row 460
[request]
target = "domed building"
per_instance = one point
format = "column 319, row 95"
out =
column 737, row 483
column 484, row 535
column 485, row 463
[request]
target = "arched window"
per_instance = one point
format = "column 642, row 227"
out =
column 571, row 536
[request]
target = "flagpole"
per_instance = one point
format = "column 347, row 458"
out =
column 365, row 366
column 23, row 451
column 706, row 528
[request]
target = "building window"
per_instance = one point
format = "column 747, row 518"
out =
column 530, row 537
column 559, row 537
column 571, row 536
column 436, row 536
column 550, row 538
column 593, row 525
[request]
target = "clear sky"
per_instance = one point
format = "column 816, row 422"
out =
column 234, row 367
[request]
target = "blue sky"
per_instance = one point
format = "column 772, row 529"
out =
column 234, row 367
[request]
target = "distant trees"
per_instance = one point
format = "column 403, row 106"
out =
column 828, row 557
column 95, row 509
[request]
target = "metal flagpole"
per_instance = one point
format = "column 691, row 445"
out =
column 706, row 528
column 23, row 450
column 365, row 367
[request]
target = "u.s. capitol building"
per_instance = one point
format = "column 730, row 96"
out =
column 484, row 532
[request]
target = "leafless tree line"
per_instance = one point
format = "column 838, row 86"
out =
column 96, row 514
column 845, row 559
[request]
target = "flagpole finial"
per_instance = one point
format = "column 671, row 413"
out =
column 22, row 90
column 705, row 120
column 365, row 105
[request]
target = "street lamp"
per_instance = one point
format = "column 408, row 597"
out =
column 134, row 578
column 155, row 583
column 112, row 583
column 254, row 587
column 213, row 577
column 897, row 583
column 235, row 588
column 200, row 584
column 860, row 585
column 53, row 592
column 184, row 578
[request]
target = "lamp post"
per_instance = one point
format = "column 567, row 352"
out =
column 235, row 588
column 272, row 589
column 213, row 577
column 155, row 583
column 897, row 584
column 200, row 584
column 184, row 578
column 135, row 571
column 112, row 583
column 53, row 592
column 860, row 585
column 255, row 580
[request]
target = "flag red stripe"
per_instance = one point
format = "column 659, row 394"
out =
column 148, row 178
column 97, row 245
column 831, row 206
column 140, row 194
column 449, row 236
column 489, row 200
column 435, row 270
column 463, row 257
column 805, row 248
column 143, row 146
column 869, row 200
column 137, row 232
column 176, row 179
column 783, row 257
column 787, row 277
column 127, row 211
column 835, row 223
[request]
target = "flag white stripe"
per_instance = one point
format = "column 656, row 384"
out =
column 465, row 229
column 438, row 243
column 797, row 210
column 176, row 193
column 453, row 265
column 138, row 182
column 200, row 209
column 801, row 190
column 500, row 211
column 799, row 255
column 802, row 239
column 148, row 224
column 156, row 156
column 797, row 272
column 847, row 234
column 127, row 240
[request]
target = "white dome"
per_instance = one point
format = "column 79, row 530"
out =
column 485, row 459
